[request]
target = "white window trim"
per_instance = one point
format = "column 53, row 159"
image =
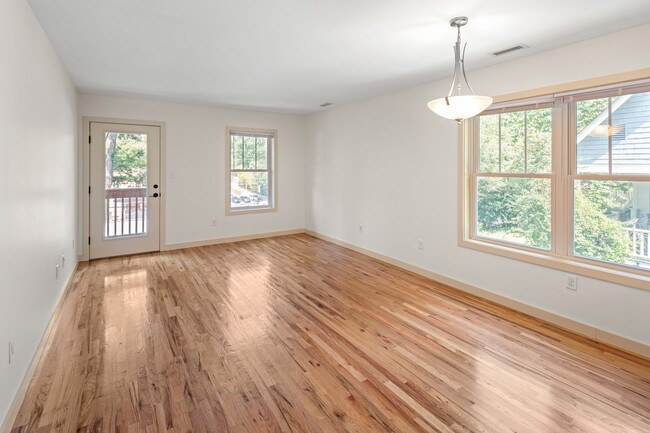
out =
column 560, row 256
column 272, row 170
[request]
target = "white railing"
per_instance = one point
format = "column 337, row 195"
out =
column 126, row 212
column 640, row 243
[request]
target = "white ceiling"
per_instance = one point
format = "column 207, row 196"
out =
column 292, row 55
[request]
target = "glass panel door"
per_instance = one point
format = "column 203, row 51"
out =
column 124, row 189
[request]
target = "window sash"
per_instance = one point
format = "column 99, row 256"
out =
column 527, row 143
column 474, row 200
column 233, row 146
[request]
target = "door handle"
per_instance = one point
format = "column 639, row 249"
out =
column 155, row 194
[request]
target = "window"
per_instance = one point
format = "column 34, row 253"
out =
column 564, row 181
column 250, row 170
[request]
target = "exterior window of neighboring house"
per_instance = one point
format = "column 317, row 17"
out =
column 563, row 181
column 250, row 156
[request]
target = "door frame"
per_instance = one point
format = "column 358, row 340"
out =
column 85, row 177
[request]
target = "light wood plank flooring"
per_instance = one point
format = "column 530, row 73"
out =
column 294, row 334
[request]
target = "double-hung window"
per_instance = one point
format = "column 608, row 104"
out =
column 563, row 181
column 250, row 156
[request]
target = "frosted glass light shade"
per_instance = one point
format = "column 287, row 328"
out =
column 459, row 107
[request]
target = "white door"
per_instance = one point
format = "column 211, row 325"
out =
column 124, row 189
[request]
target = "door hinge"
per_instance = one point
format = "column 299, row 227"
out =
column 88, row 189
column 90, row 139
column 88, row 240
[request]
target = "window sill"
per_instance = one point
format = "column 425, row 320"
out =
column 616, row 274
column 245, row 211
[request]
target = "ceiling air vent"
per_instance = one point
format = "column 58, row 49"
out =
column 326, row 104
column 510, row 50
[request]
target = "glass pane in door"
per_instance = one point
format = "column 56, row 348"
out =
column 125, row 190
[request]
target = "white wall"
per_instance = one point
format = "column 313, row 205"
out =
column 391, row 165
column 195, row 152
column 38, row 120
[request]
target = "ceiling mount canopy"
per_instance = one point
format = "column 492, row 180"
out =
column 456, row 105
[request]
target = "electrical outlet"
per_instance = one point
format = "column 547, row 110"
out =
column 11, row 351
column 214, row 223
column 172, row 174
column 420, row 244
column 360, row 229
column 572, row 282
column 58, row 269
column 62, row 261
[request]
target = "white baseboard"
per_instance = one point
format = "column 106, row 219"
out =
column 592, row 332
column 8, row 422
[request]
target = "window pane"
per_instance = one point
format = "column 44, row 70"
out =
column 515, row 210
column 249, row 153
column 261, row 153
column 236, row 152
column 249, row 189
column 611, row 221
column 512, row 142
column 489, row 144
column 630, row 132
column 592, row 120
column 539, row 143
column 518, row 142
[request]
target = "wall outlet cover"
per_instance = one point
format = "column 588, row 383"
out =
column 572, row 282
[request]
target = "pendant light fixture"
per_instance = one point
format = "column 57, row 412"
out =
column 456, row 105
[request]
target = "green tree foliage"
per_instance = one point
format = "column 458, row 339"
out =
column 248, row 153
column 518, row 142
column 126, row 160
column 596, row 235
column 588, row 110
column 518, row 207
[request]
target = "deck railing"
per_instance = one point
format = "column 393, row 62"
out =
column 126, row 212
column 640, row 243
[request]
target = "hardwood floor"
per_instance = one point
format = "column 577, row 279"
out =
column 294, row 334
